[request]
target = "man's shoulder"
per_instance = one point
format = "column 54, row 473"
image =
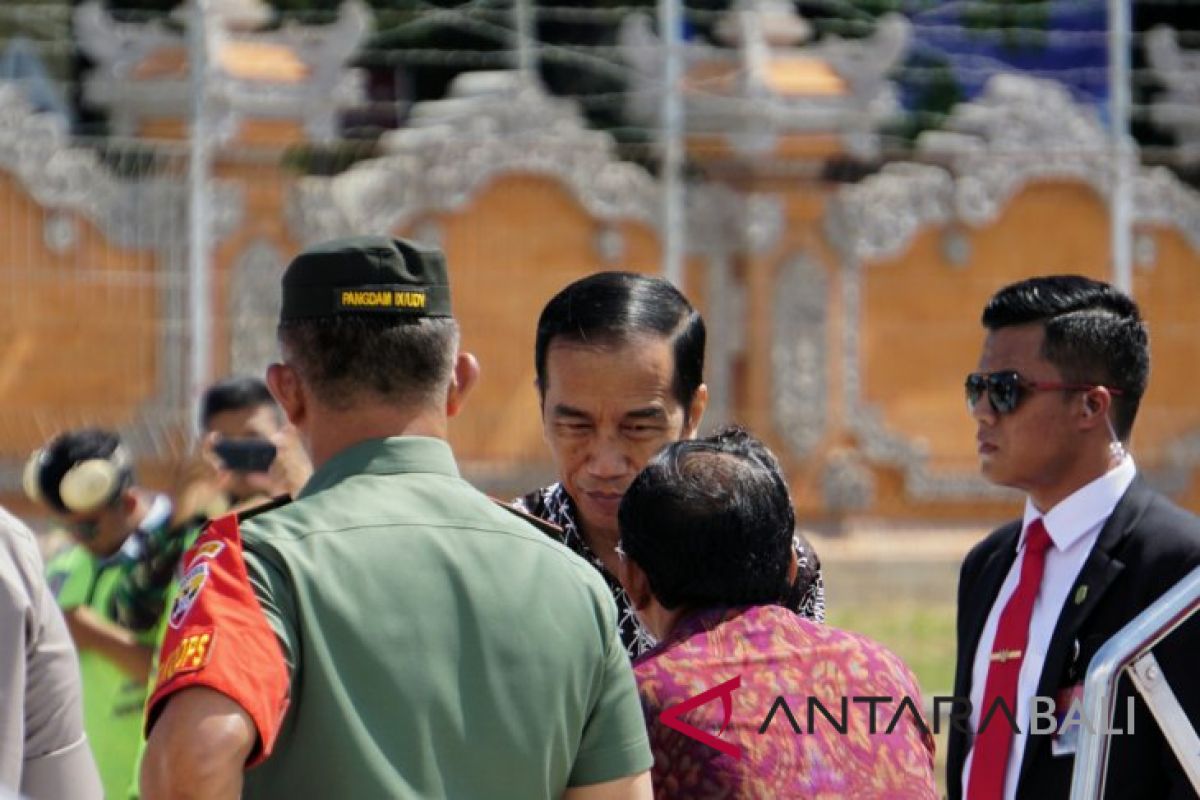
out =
column 1172, row 523
column 1163, row 535
column 1003, row 536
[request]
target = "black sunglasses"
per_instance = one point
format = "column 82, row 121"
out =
column 1004, row 389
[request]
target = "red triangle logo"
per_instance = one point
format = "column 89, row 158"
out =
column 670, row 717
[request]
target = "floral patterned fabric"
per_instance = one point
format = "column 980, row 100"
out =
column 778, row 653
column 555, row 506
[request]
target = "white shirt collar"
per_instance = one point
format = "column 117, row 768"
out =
column 1084, row 509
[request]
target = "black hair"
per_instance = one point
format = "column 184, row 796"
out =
column 710, row 522
column 1093, row 334
column 71, row 448
column 234, row 394
column 401, row 360
column 611, row 308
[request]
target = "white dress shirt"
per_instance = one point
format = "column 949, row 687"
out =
column 1074, row 525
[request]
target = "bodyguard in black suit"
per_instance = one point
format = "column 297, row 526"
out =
column 1065, row 363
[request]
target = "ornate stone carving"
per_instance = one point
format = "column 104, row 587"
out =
column 978, row 174
column 757, row 90
column 319, row 89
column 721, row 220
column 878, row 217
column 847, row 484
column 147, row 213
column 609, row 244
column 1018, row 131
column 59, row 232
column 798, row 354
column 725, row 319
column 876, row 442
column 492, row 124
column 254, row 309
column 1178, row 108
column 1161, row 199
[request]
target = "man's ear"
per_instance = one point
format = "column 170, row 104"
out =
column 1097, row 404
column 695, row 412
column 288, row 391
column 462, row 380
column 637, row 586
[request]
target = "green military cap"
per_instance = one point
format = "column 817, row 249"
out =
column 366, row 275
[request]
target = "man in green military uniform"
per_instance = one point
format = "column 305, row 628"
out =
column 393, row 632
column 86, row 478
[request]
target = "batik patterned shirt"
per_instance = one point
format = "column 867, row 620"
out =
column 774, row 653
column 555, row 506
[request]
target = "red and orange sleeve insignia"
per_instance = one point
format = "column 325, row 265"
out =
column 218, row 637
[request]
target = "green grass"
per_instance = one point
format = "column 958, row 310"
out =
column 922, row 635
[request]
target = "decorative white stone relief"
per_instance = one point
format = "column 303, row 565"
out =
column 1178, row 108
column 798, row 354
column 749, row 110
column 328, row 86
column 1019, row 131
column 254, row 300
column 146, row 213
column 847, row 483
column 492, row 124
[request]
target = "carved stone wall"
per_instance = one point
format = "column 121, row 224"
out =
column 1023, row 145
column 493, row 124
column 96, row 285
column 798, row 355
column 254, row 302
column 135, row 94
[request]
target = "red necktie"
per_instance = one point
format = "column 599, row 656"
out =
column 989, row 762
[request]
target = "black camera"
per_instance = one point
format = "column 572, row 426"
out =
column 245, row 455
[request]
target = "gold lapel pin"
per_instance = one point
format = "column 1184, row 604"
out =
column 1080, row 594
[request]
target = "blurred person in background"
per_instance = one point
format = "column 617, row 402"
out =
column 620, row 373
column 44, row 752
column 1064, row 365
column 86, row 479
column 247, row 456
column 707, row 561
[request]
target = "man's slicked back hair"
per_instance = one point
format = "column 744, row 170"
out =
column 402, row 360
column 710, row 522
column 1093, row 334
column 611, row 309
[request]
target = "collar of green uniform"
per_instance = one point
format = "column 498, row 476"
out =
column 395, row 454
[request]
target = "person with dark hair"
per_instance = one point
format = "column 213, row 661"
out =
column 44, row 751
column 707, row 560
column 619, row 359
column 85, row 477
column 1065, row 363
column 238, row 399
column 373, row 638
column 247, row 454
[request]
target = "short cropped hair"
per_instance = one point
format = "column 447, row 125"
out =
column 611, row 308
column 71, row 448
column 343, row 359
column 234, row 394
column 710, row 522
column 1093, row 334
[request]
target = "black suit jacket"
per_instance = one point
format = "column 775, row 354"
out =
column 1145, row 548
